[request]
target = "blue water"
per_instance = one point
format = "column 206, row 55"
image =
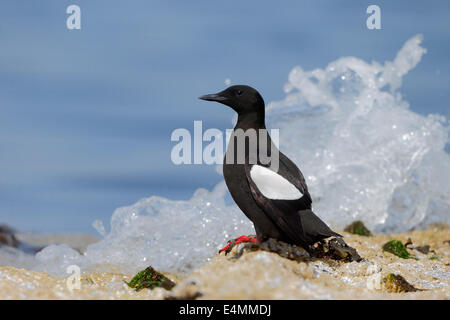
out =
column 86, row 115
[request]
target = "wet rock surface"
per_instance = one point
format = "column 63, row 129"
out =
column 260, row 274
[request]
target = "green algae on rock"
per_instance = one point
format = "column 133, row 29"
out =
column 397, row 248
column 150, row 278
column 358, row 228
column 396, row 283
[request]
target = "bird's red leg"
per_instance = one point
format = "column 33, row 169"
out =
column 236, row 241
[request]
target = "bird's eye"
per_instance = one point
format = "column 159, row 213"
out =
column 239, row 92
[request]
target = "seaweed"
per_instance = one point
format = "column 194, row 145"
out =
column 150, row 278
column 358, row 228
column 396, row 283
column 397, row 248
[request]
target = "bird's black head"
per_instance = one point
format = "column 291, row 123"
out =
column 243, row 99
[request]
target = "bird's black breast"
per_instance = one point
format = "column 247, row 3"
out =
column 235, row 179
column 239, row 188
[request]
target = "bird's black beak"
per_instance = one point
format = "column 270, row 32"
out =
column 213, row 97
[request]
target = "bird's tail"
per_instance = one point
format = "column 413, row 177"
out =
column 315, row 229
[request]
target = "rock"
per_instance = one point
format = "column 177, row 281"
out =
column 187, row 296
column 422, row 249
column 281, row 248
column 358, row 228
column 336, row 249
column 333, row 248
column 340, row 250
column 396, row 283
column 7, row 237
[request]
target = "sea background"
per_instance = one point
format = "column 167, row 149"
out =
column 86, row 115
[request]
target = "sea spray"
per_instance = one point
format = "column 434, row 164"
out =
column 364, row 154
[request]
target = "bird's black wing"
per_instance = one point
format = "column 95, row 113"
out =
column 314, row 229
column 284, row 213
column 293, row 217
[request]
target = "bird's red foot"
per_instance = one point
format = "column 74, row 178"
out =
column 236, row 241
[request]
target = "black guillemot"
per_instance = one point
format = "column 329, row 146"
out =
column 274, row 198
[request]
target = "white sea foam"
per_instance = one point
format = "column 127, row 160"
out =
column 364, row 155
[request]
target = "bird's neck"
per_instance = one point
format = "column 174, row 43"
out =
column 251, row 120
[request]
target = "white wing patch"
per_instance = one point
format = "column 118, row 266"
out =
column 272, row 185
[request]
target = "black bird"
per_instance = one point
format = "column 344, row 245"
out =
column 277, row 202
